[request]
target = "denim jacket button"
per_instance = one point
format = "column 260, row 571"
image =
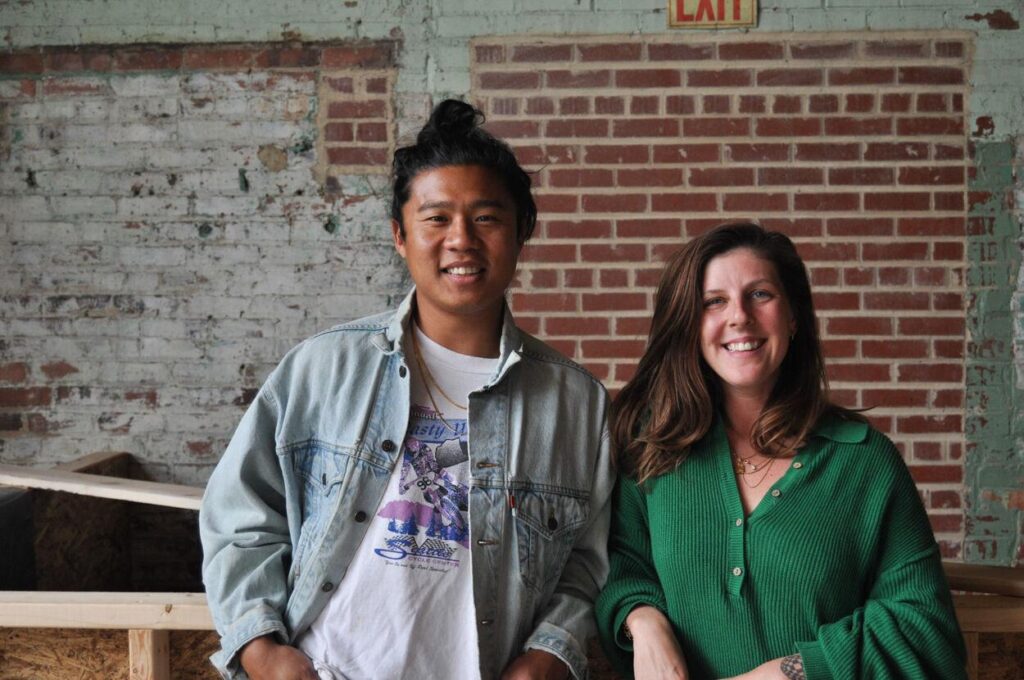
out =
column 360, row 516
column 388, row 446
column 327, row 587
column 552, row 523
column 401, row 371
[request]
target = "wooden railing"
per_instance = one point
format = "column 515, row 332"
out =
column 988, row 599
column 148, row 618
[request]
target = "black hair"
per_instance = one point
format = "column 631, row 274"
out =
column 453, row 136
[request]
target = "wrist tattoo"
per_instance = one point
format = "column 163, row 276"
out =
column 793, row 667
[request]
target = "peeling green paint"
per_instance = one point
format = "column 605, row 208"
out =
column 994, row 464
column 332, row 224
column 304, row 144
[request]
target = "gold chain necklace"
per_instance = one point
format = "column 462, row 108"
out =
column 743, row 466
column 429, row 379
column 767, row 466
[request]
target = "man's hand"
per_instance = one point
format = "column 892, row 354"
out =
column 784, row 668
column 266, row 659
column 535, row 664
column 656, row 652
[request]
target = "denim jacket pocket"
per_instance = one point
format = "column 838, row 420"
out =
column 547, row 524
column 320, row 470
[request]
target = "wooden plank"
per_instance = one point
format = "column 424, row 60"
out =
column 101, row 462
column 978, row 578
column 157, row 611
column 154, row 493
column 149, row 655
column 971, row 643
column 989, row 613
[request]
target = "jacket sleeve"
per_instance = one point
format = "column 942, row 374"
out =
column 633, row 580
column 907, row 627
column 245, row 536
column 568, row 619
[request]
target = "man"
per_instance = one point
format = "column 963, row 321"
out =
column 423, row 493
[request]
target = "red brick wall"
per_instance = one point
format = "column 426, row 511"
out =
column 853, row 144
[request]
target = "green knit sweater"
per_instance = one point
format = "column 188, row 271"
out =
column 837, row 562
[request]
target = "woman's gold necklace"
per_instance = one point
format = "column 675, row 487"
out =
column 429, row 380
column 766, row 466
column 744, row 468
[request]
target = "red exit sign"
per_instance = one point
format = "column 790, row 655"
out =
column 711, row 13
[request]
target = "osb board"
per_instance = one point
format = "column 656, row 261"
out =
column 1001, row 656
column 81, row 543
column 165, row 551
column 85, row 543
column 60, row 654
column 190, row 654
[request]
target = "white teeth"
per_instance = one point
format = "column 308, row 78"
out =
column 463, row 271
column 743, row 346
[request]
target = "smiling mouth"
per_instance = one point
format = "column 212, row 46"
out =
column 462, row 271
column 745, row 346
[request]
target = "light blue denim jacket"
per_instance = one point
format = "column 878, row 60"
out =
column 289, row 502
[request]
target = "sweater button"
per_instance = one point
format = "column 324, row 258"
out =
column 798, row 465
column 776, row 493
column 736, row 571
column 739, row 521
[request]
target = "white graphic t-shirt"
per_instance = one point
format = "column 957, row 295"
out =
column 405, row 607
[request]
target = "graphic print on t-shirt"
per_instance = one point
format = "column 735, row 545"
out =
column 427, row 522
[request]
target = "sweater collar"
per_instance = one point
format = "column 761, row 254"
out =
column 841, row 430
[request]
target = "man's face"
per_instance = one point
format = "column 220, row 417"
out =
column 460, row 242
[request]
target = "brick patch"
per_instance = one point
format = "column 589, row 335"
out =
column 851, row 143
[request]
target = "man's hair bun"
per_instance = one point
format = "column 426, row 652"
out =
column 450, row 119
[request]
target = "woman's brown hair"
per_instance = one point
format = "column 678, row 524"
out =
column 671, row 401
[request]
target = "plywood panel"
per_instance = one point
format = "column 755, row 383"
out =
column 190, row 654
column 48, row 654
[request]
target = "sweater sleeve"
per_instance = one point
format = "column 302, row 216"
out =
column 907, row 627
column 632, row 580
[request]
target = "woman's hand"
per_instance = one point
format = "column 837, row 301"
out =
column 784, row 668
column 656, row 652
column 536, row 664
column 266, row 659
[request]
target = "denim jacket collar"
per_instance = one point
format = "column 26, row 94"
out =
column 509, row 349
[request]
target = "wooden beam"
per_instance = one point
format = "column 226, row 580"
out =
column 91, row 461
column 115, row 611
column 971, row 643
column 978, row 578
column 989, row 613
column 154, row 493
column 149, row 655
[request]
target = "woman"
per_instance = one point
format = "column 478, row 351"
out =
column 761, row 531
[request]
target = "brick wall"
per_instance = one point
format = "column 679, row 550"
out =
column 432, row 58
column 174, row 219
column 853, row 144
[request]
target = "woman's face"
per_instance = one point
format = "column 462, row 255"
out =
column 747, row 323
